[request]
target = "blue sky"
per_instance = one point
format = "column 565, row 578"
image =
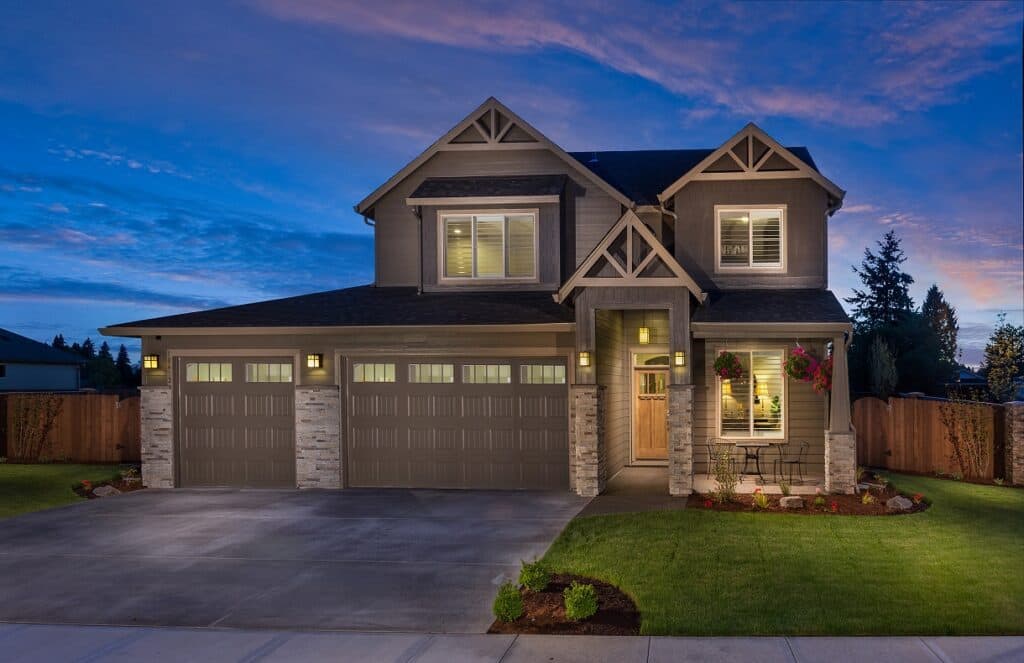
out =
column 163, row 157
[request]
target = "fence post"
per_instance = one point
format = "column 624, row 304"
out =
column 1015, row 443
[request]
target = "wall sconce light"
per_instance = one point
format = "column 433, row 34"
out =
column 644, row 335
column 584, row 359
column 679, row 358
column 314, row 360
column 151, row 361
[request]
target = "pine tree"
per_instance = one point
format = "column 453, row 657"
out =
column 124, row 367
column 58, row 342
column 883, row 368
column 1004, row 359
column 105, row 352
column 88, row 349
column 941, row 316
column 885, row 299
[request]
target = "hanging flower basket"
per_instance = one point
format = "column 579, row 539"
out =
column 801, row 365
column 823, row 377
column 727, row 366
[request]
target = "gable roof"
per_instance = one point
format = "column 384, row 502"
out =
column 771, row 305
column 367, row 306
column 643, row 174
column 493, row 126
column 17, row 349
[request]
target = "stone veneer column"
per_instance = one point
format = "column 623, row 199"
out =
column 680, row 439
column 156, row 414
column 1015, row 443
column 840, row 462
column 317, row 436
column 588, row 434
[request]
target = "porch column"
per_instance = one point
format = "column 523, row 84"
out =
column 587, row 455
column 156, row 414
column 840, row 438
column 317, row 436
column 680, row 439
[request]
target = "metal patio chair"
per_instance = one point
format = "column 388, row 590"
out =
column 782, row 463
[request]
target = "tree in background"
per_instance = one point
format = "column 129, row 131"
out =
column 1004, row 359
column 58, row 342
column 88, row 350
column 885, row 299
column 99, row 371
column 941, row 316
column 882, row 368
column 124, row 367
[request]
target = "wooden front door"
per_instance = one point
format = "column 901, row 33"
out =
column 650, row 429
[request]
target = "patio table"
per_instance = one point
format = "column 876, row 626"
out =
column 752, row 452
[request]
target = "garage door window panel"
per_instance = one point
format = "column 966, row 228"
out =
column 375, row 372
column 542, row 374
column 203, row 371
column 431, row 373
column 487, row 373
column 268, row 372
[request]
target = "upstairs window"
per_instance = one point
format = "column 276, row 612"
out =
column 750, row 237
column 492, row 246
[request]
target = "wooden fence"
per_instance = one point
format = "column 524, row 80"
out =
column 90, row 428
column 908, row 434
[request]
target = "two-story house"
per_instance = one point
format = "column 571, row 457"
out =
column 539, row 319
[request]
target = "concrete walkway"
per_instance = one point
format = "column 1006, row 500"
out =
column 95, row 644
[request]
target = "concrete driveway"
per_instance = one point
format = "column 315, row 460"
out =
column 410, row 560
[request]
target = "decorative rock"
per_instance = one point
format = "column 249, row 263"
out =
column 898, row 503
column 792, row 502
column 105, row 491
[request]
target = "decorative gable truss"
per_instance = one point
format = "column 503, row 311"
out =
column 753, row 154
column 493, row 129
column 629, row 256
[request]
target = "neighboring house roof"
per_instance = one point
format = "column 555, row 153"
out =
column 371, row 306
column 771, row 305
column 536, row 187
column 17, row 349
column 643, row 174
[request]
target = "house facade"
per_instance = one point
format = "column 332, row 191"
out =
column 539, row 319
column 28, row 365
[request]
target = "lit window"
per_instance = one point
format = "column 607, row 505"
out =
column 268, row 372
column 542, row 374
column 490, row 246
column 432, row 373
column 751, row 406
column 364, row 372
column 203, row 371
column 750, row 238
column 487, row 373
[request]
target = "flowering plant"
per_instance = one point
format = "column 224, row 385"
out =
column 918, row 498
column 823, row 377
column 708, row 504
column 760, row 500
column 801, row 365
column 835, row 507
column 727, row 366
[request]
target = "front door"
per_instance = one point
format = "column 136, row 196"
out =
column 650, row 429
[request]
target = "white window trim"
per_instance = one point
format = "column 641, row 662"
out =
column 784, row 405
column 750, row 269
column 474, row 280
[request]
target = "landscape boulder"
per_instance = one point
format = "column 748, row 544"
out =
column 105, row 491
column 792, row 502
column 898, row 503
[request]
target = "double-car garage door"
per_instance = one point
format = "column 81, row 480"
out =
column 422, row 422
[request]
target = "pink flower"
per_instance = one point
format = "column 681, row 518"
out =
column 708, row 504
column 835, row 507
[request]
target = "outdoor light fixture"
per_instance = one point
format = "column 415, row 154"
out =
column 679, row 358
column 584, row 359
column 151, row 361
column 314, row 360
column 644, row 335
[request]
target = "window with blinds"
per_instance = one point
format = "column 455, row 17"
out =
column 752, row 406
column 750, row 238
column 494, row 246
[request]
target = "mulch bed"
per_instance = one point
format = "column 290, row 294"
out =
column 544, row 612
column 120, row 484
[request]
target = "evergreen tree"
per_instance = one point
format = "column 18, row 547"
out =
column 1004, row 359
column 885, row 299
column 76, row 348
column 941, row 316
column 105, row 352
column 88, row 349
column 883, row 368
column 124, row 367
column 58, row 342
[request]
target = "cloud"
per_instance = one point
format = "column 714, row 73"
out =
column 155, row 167
column 863, row 208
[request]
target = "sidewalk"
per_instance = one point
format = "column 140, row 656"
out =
column 89, row 644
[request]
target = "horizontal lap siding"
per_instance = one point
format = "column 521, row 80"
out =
column 611, row 360
column 804, row 410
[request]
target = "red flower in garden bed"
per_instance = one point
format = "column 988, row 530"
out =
column 835, row 507
column 708, row 504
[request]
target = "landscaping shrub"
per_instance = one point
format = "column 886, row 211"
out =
column 534, row 576
column 580, row 601
column 508, row 604
column 784, row 489
column 725, row 477
column 867, row 498
column 819, row 501
column 760, row 499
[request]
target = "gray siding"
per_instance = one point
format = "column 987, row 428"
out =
column 612, row 361
column 39, row 377
column 804, row 410
column 806, row 229
column 397, row 246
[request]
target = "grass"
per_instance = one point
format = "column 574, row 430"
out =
column 954, row 569
column 25, row 488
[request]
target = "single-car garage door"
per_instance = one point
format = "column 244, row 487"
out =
column 235, row 421
column 458, row 423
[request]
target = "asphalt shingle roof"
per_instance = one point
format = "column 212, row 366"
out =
column 372, row 306
column 781, row 305
column 642, row 174
column 465, row 187
column 17, row 349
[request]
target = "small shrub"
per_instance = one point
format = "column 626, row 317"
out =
column 725, row 477
column 785, row 488
column 819, row 502
column 534, row 576
column 580, row 601
column 508, row 604
column 918, row 498
column 867, row 498
column 997, row 481
column 760, row 499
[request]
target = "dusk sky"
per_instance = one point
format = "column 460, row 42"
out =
column 160, row 158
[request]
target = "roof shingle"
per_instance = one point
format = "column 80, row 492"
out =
column 466, row 187
column 17, row 349
column 775, row 305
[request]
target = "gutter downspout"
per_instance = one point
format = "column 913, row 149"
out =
column 418, row 211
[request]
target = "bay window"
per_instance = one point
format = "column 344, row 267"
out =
column 489, row 246
column 752, row 406
column 750, row 237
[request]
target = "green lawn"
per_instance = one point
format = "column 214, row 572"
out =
column 25, row 488
column 957, row 568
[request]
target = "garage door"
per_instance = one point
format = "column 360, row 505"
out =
column 235, row 422
column 470, row 423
